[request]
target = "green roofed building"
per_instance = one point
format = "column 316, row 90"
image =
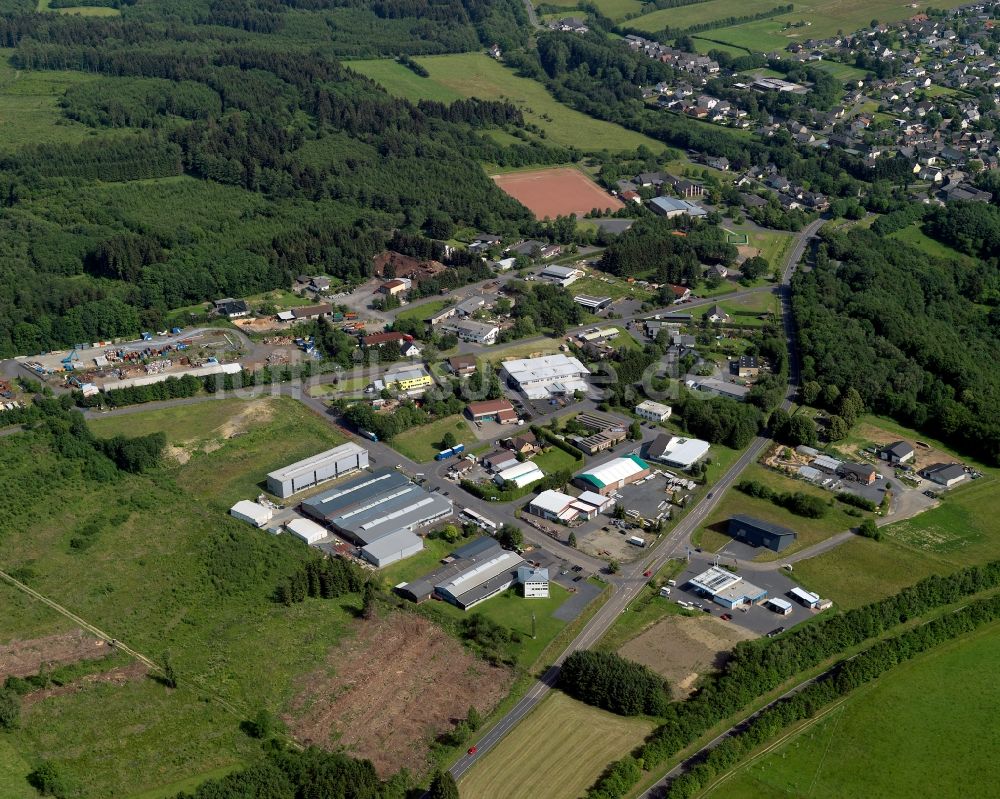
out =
column 612, row 475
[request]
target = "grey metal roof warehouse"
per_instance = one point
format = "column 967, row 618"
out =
column 462, row 561
column 317, row 469
column 406, row 508
column 330, row 503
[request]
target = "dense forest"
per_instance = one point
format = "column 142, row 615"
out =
column 911, row 333
column 264, row 158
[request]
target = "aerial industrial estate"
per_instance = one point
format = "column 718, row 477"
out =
column 546, row 401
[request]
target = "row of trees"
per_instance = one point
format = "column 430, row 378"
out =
column 324, row 578
column 846, row 677
column 797, row 502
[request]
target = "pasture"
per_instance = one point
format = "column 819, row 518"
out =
column 700, row 13
column 478, row 75
column 824, row 18
column 857, row 748
column 558, row 752
column 561, row 191
column 424, row 309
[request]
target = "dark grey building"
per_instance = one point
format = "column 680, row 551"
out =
column 759, row 533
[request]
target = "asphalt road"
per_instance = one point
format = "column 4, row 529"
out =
column 628, row 585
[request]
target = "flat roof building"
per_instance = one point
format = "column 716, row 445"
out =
column 469, row 330
column 498, row 410
column 562, row 275
column 727, row 589
column 671, row 207
column 251, row 513
column 412, row 378
column 807, row 598
column 677, row 451
column 720, row 388
column 613, row 474
column 592, row 303
column 759, row 533
column 653, row 411
column 307, row 530
column 317, row 469
column 391, row 548
column 538, row 378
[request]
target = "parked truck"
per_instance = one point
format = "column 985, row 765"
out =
column 635, row 541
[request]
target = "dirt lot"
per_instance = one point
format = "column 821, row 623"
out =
column 612, row 545
column 23, row 658
column 924, row 455
column 683, row 647
column 389, row 690
column 556, row 192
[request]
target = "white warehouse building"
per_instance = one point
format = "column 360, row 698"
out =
column 522, row 475
column 251, row 513
column 307, row 530
column 537, row 378
column 318, row 469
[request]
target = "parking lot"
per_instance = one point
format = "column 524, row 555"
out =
column 757, row 618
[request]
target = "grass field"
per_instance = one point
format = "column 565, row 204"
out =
column 556, row 459
column 13, row 771
column 616, row 9
column 773, row 246
column 826, row 19
column 423, row 310
column 698, row 14
column 747, row 309
column 964, row 529
column 557, row 752
column 810, row 531
column 916, row 237
column 29, row 106
column 478, row 75
column 167, row 570
column 600, row 285
column 282, row 299
column 421, row 443
column 856, row 750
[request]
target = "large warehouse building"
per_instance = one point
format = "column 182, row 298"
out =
column 318, row 469
column 472, row 574
column 613, row 475
column 380, row 513
column 537, row 378
column 758, row 533
column 676, row 451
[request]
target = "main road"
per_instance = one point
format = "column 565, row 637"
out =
column 632, row 581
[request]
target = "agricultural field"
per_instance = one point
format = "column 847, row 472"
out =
column 557, row 752
column 810, row 531
column 682, row 647
column 856, row 749
column 420, row 444
column 478, row 75
column 403, row 81
column 561, row 191
column 698, row 14
column 824, row 18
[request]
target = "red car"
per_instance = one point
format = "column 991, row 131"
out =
column 647, row 574
column 472, row 750
column 726, row 616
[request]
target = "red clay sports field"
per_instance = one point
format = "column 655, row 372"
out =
column 556, row 192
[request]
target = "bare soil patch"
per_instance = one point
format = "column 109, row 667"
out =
column 117, row 676
column 255, row 413
column 388, row 691
column 556, row 192
column 681, row 648
column 611, row 545
column 24, row 658
column 923, row 454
